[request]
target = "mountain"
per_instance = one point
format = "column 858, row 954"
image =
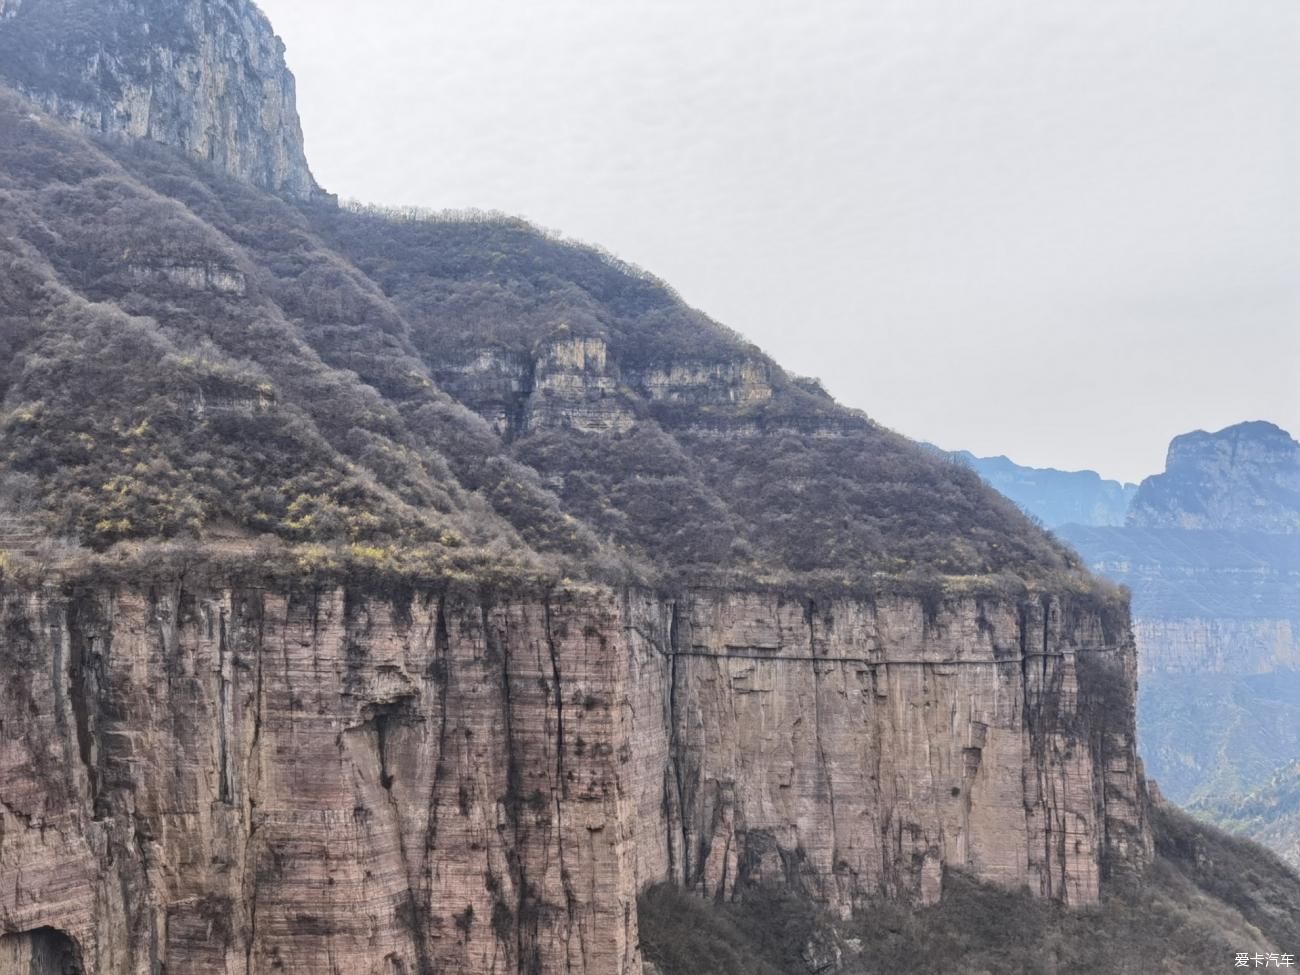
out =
column 1213, row 562
column 1055, row 497
column 1244, row 478
column 392, row 593
column 1217, row 619
column 1269, row 814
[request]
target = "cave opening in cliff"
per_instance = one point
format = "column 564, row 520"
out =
column 43, row 951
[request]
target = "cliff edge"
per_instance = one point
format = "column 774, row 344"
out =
column 205, row 77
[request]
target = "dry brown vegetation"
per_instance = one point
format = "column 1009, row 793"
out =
column 184, row 351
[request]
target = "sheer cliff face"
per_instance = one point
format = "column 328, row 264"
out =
column 207, row 77
column 218, row 777
column 224, row 780
column 1244, row 478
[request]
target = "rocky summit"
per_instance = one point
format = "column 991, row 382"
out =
column 1244, row 478
column 393, row 593
column 205, row 77
column 1212, row 558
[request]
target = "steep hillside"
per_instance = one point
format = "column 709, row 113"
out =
column 1269, row 814
column 249, row 326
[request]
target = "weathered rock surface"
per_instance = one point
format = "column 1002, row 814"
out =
column 575, row 382
column 1244, row 478
column 227, row 780
column 207, row 77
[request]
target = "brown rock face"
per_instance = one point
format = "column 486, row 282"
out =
column 226, row 780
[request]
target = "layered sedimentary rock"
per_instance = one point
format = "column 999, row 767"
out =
column 1219, row 645
column 207, row 77
column 575, row 382
column 221, row 779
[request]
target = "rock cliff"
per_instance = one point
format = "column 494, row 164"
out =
column 1244, row 478
column 545, row 587
column 207, row 778
column 208, row 78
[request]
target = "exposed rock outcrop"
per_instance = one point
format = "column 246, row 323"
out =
column 575, row 382
column 221, row 774
column 232, row 780
column 1244, row 478
column 207, row 77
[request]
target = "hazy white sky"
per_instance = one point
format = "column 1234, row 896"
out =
column 1065, row 230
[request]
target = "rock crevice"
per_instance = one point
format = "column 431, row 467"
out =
column 362, row 784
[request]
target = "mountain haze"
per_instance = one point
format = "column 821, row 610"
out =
column 1213, row 561
column 1052, row 496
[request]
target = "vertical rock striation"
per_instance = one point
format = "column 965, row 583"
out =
column 207, row 77
column 226, row 780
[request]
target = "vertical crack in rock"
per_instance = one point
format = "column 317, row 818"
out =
column 823, row 765
column 562, row 792
column 384, row 721
column 225, row 793
column 1032, row 777
column 441, row 672
column 81, row 689
column 442, row 676
column 517, row 423
column 1047, row 629
column 674, row 746
column 720, row 894
column 253, row 765
column 526, row 961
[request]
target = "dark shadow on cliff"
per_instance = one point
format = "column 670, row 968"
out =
column 1207, row 897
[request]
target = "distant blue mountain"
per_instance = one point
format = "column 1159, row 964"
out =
column 1211, row 553
column 1210, row 549
column 1054, row 497
column 1246, row 477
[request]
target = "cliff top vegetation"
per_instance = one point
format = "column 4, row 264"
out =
column 186, row 357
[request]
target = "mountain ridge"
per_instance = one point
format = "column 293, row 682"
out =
column 1246, row 476
column 1054, row 497
column 431, row 590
